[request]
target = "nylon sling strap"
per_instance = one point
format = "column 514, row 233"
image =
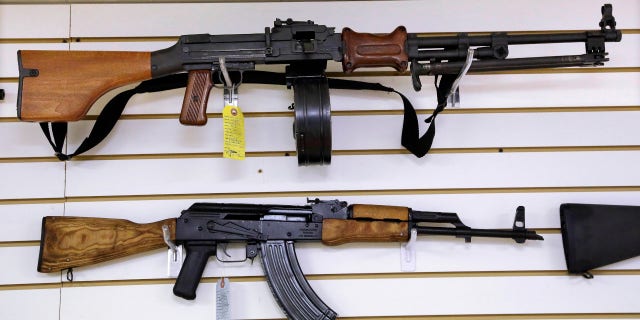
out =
column 106, row 120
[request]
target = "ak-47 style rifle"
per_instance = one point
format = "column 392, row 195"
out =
column 271, row 230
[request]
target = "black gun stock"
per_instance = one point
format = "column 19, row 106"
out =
column 596, row 235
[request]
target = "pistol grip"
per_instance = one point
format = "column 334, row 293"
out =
column 192, row 268
column 194, row 105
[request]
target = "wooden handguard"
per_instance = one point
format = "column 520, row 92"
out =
column 371, row 50
column 339, row 231
column 194, row 105
column 69, row 242
column 377, row 212
column 62, row 85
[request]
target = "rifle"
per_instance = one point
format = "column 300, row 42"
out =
column 270, row 230
column 595, row 235
column 305, row 48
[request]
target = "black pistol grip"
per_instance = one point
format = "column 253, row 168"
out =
column 288, row 284
column 192, row 268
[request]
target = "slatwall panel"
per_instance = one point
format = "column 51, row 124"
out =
column 534, row 138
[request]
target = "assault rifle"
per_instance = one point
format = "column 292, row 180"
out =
column 59, row 86
column 270, row 230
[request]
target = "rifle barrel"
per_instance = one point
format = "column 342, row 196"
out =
column 488, row 233
column 416, row 41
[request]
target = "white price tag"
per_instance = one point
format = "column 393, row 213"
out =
column 222, row 299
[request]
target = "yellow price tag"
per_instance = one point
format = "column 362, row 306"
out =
column 233, row 127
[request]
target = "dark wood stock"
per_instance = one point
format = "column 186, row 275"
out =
column 194, row 105
column 65, row 84
column 69, row 242
column 377, row 212
column 371, row 50
column 339, row 231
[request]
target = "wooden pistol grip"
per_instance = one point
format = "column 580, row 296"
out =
column 62, row 85
column 378, row 212
column 69, row 242
column 339, row 231
column 194, row 105
column 371, row 50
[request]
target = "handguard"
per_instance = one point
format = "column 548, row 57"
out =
column 288, row 284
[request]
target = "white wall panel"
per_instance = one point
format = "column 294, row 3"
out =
column 9, row 55
column 23, row 222
column 375, row 297
column 17, row 21
column 477, row 91
column 437, row 171
column 23, row 139
column 32, row 180
column 32, row 304
column 498, row 130
column 21, row 267
column 109, row 20
column 484, row 278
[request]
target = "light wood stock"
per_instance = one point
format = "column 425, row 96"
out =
column 69, row 242
column 378, row 212
column 339, row 231
column 62, row 85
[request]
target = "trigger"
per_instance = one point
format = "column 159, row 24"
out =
column 224, row 246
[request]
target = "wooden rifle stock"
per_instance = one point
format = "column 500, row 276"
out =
column 61, row 86
column 369, row 223
column 338, row 231
column 69, row 242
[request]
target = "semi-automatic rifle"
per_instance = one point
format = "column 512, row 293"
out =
column 60, row 86
column 267, row 230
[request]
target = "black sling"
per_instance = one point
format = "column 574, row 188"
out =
column 418, row 145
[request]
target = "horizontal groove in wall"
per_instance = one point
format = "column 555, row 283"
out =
column 31, row 201
column 32, row 243
column 31, row 286
column 339, row 113
column 34, row 40
column 302, row 194
column 291, row 153
column 407, row 275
